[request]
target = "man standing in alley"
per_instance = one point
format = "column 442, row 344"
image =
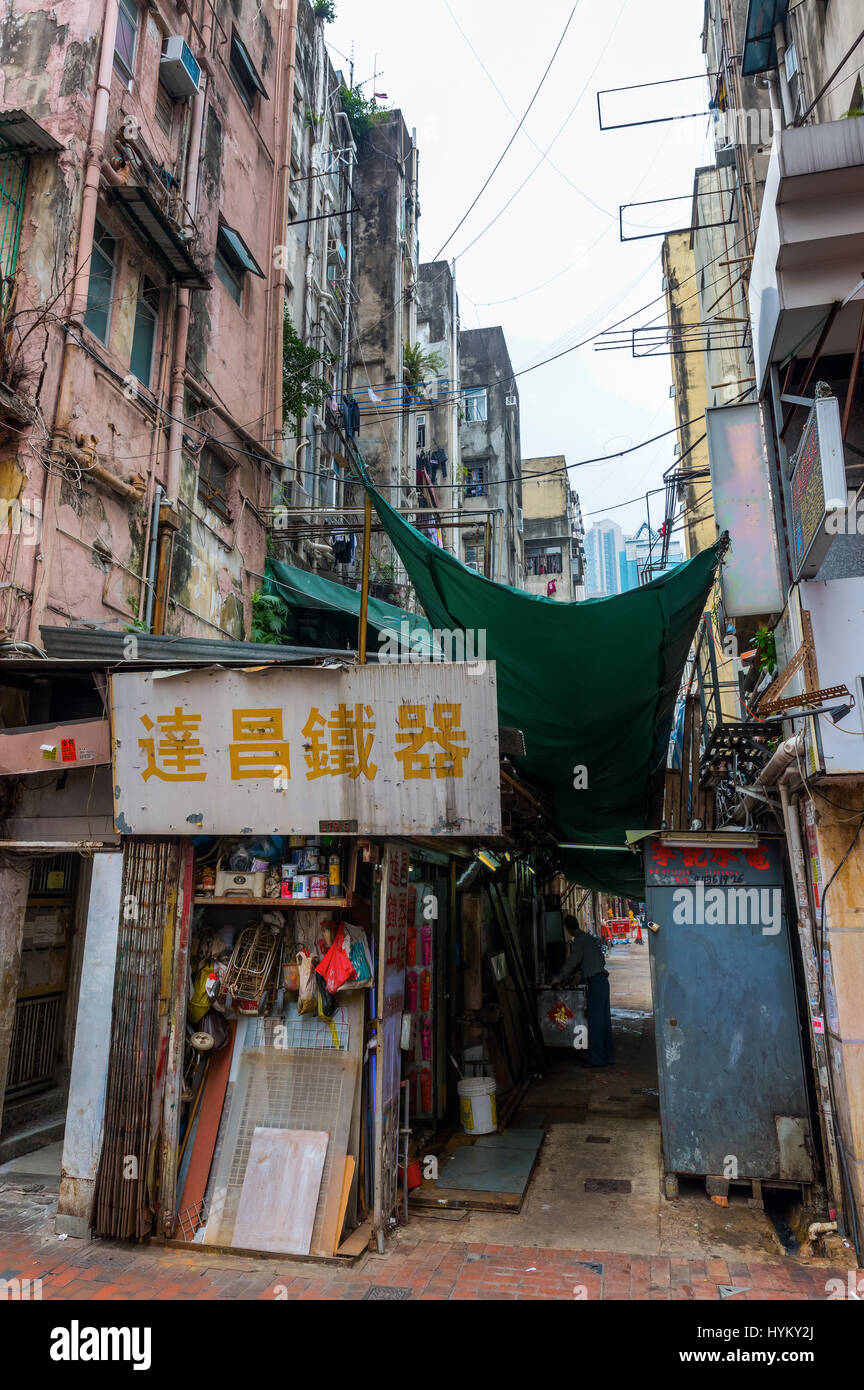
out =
column 587, row 961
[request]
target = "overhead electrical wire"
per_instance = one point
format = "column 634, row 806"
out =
column 510, row 142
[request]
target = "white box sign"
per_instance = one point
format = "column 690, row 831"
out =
column 392, row 750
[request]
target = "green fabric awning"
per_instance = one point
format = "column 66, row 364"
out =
column 591, row 685
column 303, row 591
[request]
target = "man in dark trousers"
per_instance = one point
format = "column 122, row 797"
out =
column 587, row 960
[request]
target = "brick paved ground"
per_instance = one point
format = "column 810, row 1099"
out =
column 430, row 1269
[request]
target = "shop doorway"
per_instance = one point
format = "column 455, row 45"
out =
column 43, row 1030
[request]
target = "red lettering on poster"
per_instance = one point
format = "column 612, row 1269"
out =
column 757, row 858
column 723, row 857
column 662, row 855
column 67, row 750
column 694, row 858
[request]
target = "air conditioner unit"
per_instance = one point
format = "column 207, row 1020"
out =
column 510, row 400
column 179, row 73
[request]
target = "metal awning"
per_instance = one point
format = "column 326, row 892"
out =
column 91, row 646
column 142, row 209
column 20, row 134
column 760, row 49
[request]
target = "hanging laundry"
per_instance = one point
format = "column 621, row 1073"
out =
column 438, row 461
column 350, row 413
column 551, row 588
column 371, row 394
column 344, row 544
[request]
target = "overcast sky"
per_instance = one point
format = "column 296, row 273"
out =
column 589, row 402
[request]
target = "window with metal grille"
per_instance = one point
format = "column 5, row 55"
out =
column 213, row 476
column 144, row 332
column 126, row 42
column 100, row 289
column 475, row 556
column 542, row 562
column 13, row 180
column 475, row 485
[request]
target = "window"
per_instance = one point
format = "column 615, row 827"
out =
column 144, row 332
column 213, row 483
column 475, row 556
column 475, row 485
column 475, row 403
column 543, row 562
column 100, row 288
column 126, row 41
column 233, row 260
column 421, row 431
column 245, row 75
column 13, row 179
column 164, row 108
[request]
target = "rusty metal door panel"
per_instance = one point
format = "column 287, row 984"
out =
column 728, row 1042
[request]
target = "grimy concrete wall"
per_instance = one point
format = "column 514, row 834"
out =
column 495, row 442
column 89, row 557
column 835, row 826
column 547, row 523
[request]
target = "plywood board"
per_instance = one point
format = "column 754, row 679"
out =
column 347, row 1179
column 357, row 1241
column 280, row 1190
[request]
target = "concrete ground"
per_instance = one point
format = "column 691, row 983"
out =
column 618, row 1105
column 564, row 1244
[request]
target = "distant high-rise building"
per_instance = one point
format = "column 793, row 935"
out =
column 604, row 547
column 640, row 560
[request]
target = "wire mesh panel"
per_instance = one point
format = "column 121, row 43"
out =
column 13, row 178
column 287, row 1088
column 33, row 1051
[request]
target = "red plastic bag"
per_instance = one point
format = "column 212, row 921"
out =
column 336, row 968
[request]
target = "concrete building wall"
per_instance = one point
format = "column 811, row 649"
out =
column 91, row 559
column 385, row 244
column 548, row 527
column 492, row 444
column 438, row 424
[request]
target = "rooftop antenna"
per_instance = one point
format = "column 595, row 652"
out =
column 351, row 67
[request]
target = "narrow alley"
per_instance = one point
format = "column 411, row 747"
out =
column 571, row 1241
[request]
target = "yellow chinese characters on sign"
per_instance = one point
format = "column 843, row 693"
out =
column 259, row 747
column 340, row 746
column 176, row 752
column 444, row 733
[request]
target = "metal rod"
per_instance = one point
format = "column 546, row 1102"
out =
column 364, row 589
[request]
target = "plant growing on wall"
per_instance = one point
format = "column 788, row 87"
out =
column 362, row 112
column 324, row 9
column 269, row 615
column 763, row 639
column 304, row 387
column 417, row 364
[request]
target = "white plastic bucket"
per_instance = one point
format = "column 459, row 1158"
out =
column 477, row 1104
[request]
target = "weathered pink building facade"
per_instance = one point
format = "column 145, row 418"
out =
column 144, row 177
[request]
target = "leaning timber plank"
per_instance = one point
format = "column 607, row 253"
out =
column 357, row 1241
column 347, row 1179
column 465, row 1199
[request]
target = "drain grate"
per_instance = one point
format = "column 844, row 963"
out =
column 379, row 1292
column 597, row 1139
column 607, row 1185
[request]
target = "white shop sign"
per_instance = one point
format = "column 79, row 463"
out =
column 396, row 750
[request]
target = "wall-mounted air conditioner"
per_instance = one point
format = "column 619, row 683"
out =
column 179, row 73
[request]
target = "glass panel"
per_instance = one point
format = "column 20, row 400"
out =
column 143, row 340
column 230, row 279
column 124, row 45
column 101, row 284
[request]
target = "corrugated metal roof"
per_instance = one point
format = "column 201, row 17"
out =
column 93, row 646
column 151, row 221
column 20, row 134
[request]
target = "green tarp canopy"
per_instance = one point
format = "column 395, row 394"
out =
column 591, row 685
column 338, row 606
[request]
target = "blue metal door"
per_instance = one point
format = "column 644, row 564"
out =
column 733, row 1099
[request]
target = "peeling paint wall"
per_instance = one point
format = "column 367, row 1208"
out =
column 87, row 558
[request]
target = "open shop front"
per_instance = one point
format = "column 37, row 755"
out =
column 254, row 1096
